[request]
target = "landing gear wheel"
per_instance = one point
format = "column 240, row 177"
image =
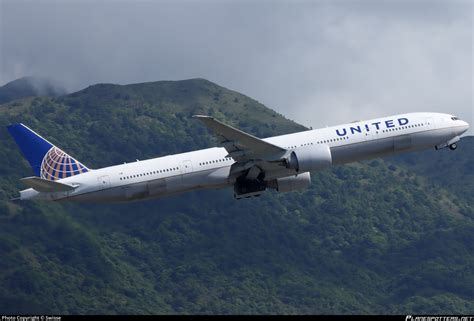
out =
column 453, row 146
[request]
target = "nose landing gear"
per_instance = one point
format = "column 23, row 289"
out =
column 452, row 144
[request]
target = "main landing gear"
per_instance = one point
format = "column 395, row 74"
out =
column 453, row 146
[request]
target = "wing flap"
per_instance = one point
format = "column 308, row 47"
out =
column 43, row 185
column 241, row 145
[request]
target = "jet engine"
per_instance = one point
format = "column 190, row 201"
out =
column 309, row 158
column 291, row 183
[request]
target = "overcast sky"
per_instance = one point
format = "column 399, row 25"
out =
column 317, row 62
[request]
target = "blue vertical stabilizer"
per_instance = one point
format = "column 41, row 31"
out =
column 47, row 161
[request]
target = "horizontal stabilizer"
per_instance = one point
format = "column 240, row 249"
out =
column 44, row 185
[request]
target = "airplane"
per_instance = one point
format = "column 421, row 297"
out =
column 250, row 164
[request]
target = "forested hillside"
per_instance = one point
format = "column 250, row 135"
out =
column 383, row 236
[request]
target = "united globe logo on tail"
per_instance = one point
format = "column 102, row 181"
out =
column 47, row 161
column 57, row 164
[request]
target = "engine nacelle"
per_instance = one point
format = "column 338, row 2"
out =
column 293, row 183
column 310, row 158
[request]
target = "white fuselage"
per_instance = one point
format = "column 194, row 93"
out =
column 210, row 168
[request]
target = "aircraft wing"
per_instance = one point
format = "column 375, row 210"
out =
column 240, row 145
column 44, row 185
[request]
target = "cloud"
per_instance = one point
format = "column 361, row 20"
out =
column 320, row 63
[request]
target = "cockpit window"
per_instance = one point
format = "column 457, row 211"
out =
column 454, row 118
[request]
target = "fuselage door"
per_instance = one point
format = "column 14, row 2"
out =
column 368, row 135
column 104, row 181
column 186, row 167
column 429, row 123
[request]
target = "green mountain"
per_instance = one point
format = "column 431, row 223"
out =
column 28, row 87
column 383, row 236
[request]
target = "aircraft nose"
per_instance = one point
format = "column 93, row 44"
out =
column 464, row 127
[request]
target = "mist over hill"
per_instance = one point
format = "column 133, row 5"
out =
column 391, row 235
column 28, row 87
